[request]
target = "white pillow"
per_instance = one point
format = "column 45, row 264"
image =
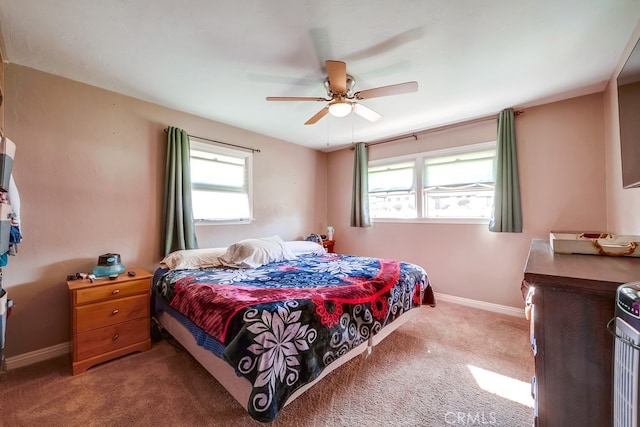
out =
column 301, row 247
column 193, row 258
column 252, row 253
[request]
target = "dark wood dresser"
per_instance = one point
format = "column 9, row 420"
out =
column 573, row 299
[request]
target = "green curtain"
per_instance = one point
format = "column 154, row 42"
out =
column 179, row 228
column 507, row 212
column 360, row 194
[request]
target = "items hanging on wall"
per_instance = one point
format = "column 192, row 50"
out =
column 10, row 234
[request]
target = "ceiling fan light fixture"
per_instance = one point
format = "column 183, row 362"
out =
column 340, row 95
column 340, row 108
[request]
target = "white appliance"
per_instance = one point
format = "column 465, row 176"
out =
column 626, row 365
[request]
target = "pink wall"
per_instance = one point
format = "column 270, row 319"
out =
column 89, row 166
column 562, row 173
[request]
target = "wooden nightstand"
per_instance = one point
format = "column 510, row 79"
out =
column 328, row 244
column 109, row 318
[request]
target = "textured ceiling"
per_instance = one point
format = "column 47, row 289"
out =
column 219, row 60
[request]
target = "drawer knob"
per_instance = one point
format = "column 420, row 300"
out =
column 115, row 337
column 116, row 291
column 116, row 311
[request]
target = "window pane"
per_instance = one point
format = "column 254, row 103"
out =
column 461, row 169
column 220, row 183
column 473, row 203
column 214, row 205
column 216, row 173
column 392, row 205
column 394, row 177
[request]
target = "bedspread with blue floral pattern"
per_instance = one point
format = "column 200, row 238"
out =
column 281, row 324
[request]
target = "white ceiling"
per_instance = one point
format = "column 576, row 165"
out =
column 219, row 60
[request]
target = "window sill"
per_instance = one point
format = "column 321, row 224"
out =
column 202, row 222
column 472, row 221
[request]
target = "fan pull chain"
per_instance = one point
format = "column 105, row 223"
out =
column 352, row 139
column 327, row 122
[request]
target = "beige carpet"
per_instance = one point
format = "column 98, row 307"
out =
column 421, row 375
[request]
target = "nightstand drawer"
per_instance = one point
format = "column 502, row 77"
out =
column 110, row 291
column 98, row 315
column 103, row 340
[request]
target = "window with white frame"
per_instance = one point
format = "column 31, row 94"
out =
column 392, row 190
column 454, row 183
column 220, row 183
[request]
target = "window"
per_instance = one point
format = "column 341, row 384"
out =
column 220, row 183
column 392, row 191
column 453, row 183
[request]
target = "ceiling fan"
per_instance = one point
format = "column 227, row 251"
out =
column 341, row 97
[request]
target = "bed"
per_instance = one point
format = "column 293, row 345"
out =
column 268, row 319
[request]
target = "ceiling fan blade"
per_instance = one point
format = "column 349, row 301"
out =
column 320, row 114
column 396, row 89
column 337, row 71
column 295, row 98
column 366, row 112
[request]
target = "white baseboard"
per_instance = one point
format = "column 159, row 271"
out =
column 37, row 355
column 489, row 306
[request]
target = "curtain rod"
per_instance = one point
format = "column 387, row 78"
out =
column 415, row 135
column 253, row 150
